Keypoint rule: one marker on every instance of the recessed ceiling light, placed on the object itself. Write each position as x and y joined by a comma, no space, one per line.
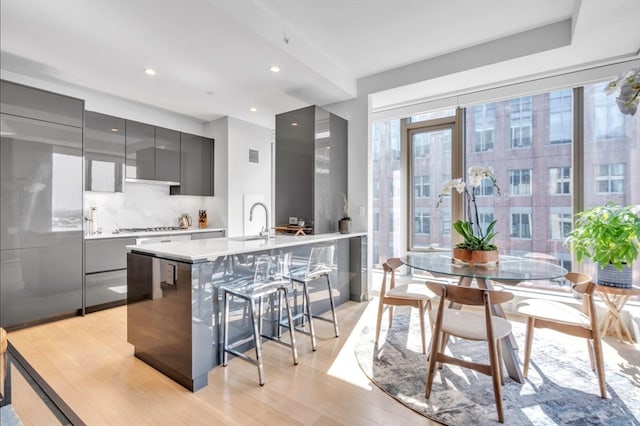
294,124
275,68
253,109
150,71
114,130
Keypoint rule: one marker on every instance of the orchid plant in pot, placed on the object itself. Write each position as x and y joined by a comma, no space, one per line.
477,243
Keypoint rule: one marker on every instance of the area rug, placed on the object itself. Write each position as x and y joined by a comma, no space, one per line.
561,388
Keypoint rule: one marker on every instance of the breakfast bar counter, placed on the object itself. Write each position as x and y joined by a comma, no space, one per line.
174,305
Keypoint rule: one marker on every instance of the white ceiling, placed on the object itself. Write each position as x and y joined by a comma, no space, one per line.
212,57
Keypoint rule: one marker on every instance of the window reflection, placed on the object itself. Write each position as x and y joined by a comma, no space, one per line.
66,192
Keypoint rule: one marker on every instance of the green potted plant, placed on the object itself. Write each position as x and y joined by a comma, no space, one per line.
344,224
609,235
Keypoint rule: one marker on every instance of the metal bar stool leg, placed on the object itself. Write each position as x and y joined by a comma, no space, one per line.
225,329
333,307
294,350
255,322
306,306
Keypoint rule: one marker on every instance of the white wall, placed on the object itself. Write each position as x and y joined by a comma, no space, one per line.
239,183
219,130
248,182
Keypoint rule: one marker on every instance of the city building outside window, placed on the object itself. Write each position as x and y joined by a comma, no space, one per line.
386,169
560,116
485,216
485,189
422,221
610,178
422,187
520,223
607,119
560,180
560,222
446,221
520,182
521,122
484,127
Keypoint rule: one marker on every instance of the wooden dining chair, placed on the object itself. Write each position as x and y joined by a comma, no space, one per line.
568,320
470,326
412,294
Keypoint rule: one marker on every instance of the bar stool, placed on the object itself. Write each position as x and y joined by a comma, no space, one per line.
319,265
268,281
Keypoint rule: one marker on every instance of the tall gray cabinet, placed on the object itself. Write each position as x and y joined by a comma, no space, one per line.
41,216
311,167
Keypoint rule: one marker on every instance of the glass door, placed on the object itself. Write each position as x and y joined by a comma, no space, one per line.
429,169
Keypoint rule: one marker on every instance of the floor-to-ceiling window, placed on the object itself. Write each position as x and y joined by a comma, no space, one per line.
529,141
386,185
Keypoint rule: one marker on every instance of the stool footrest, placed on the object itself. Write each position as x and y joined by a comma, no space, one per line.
241,355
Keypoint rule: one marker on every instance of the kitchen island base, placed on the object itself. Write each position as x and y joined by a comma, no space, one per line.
175,306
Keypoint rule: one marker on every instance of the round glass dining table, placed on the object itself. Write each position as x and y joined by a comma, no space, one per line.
508,270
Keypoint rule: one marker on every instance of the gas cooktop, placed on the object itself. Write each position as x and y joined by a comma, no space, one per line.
154,229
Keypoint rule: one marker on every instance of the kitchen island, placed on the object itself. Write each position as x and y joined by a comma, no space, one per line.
174,306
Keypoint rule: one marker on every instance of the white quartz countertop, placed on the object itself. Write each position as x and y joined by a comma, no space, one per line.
208,249
152,233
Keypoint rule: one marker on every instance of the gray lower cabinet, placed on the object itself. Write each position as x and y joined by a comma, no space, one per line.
41,224
106,271
196,166
104,152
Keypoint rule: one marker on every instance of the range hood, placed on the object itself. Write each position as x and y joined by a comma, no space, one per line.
152,182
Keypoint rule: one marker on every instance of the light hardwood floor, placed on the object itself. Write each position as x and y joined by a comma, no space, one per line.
89,363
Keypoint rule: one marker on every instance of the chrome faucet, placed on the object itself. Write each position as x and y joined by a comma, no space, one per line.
265,232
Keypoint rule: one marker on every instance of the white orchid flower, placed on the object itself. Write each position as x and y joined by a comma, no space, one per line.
454,183
627,85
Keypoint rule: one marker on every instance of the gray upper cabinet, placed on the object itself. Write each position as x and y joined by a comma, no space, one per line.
196,169
153,153
140,148
104,150
25,101
311,167
167,163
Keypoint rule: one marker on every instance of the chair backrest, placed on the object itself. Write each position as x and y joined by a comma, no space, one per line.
320,260
270,268
389,268
581,282
469,295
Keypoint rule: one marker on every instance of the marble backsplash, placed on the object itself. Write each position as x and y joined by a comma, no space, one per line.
145,205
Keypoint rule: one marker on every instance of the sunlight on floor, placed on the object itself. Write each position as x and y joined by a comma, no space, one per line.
345,367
